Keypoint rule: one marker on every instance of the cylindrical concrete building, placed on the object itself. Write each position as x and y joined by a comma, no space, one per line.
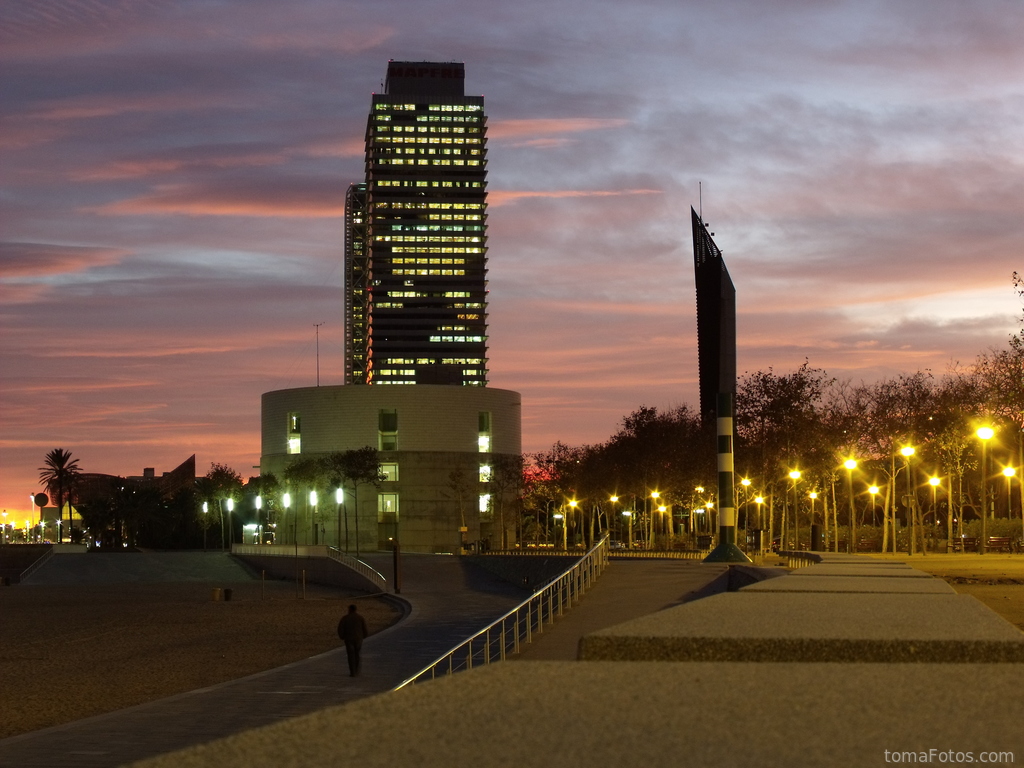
450,454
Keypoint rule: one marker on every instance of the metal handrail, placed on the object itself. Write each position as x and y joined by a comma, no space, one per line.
36,565
363,569
496,641
660,554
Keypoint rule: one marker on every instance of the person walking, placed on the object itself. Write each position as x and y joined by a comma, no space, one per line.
352,629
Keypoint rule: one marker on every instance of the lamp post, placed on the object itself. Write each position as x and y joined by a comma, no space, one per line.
572,505
813,495
613,499
934,483
850,464
795,477
629,519
313,504
873,491
339,499
259,519
699,489
907,452
231,532
565,542
745,482
1008,473
206,522
759,500
984,434
651,506
287,502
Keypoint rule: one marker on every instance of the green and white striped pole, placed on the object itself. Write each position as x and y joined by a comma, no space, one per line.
726,551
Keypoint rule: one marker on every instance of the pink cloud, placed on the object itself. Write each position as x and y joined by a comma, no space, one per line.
498,197
42,259
130,169
304,202
536,128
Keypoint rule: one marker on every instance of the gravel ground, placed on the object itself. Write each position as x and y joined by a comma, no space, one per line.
68,652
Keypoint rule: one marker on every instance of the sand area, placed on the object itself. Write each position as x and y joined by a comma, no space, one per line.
68,652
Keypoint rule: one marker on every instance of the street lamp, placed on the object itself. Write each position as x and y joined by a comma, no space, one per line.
873,491
316,530
813,495
759,545
850,464
907,452
565,541
572,505
934,483
614,500
629,518
745,482
794,475
339,499
650,519
231,532
206,523
695,527
1009,473
259,518
984,434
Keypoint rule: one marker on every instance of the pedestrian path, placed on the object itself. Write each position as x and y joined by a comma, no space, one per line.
628,589
449,599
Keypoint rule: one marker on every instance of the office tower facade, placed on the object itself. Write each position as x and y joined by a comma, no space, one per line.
416,235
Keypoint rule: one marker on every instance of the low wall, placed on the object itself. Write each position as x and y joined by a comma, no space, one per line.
319,570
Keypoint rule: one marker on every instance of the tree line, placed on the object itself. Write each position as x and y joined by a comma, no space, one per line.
807,422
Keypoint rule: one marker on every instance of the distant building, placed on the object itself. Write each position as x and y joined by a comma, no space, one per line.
415,305
98,488
416,234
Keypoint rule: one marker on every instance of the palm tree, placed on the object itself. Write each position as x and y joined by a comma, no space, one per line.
58,476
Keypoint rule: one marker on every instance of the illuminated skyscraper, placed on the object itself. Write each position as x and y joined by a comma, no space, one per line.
416,235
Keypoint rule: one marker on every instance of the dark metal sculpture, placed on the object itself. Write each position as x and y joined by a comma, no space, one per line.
716,359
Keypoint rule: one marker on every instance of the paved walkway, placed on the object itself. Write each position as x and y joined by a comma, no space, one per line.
450,600
628,589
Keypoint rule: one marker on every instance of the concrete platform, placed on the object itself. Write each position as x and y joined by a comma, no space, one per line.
894,571
814,627
581,715
813,582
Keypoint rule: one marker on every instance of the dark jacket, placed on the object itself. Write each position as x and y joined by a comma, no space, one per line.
352,629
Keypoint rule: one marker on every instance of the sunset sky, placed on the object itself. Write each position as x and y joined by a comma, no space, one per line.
173,178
